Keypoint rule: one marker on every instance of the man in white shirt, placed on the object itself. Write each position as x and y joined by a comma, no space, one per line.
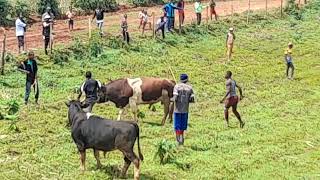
20,32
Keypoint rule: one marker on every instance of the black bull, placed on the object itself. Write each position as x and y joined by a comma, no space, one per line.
104,135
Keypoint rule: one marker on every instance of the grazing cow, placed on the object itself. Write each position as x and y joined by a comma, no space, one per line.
132,92
103,135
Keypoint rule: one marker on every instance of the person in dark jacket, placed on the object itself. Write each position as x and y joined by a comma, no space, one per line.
90,88
99,15
30,67
46,32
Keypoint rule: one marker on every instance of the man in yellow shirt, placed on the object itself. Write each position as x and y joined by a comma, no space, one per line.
289,60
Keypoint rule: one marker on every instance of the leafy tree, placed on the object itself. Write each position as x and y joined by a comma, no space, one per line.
53,4
90,5
5,13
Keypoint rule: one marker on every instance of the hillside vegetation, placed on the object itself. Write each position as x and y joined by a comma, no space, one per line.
281,139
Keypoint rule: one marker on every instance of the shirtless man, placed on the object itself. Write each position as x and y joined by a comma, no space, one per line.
229,43
231,99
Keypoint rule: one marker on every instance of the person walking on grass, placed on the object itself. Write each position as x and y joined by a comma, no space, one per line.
90,88
124,27
161,26
20,32
46,33
141,14
70,14
145,21
99,15
289,60
30,68
231,99
229,43
181,5
212,5
198,9
182,95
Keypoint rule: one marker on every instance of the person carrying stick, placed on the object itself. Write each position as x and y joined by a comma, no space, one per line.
30,68
46,32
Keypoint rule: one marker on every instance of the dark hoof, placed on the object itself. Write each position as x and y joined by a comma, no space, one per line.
242,125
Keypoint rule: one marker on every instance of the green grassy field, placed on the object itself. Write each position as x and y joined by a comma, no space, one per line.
281,139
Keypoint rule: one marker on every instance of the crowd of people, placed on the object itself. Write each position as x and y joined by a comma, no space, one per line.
183,92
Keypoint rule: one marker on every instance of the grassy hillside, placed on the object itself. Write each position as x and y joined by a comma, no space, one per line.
281,138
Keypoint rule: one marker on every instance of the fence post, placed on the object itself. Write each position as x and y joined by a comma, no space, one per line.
248,11
207,15
51,38
232,14
281,8
3,50
89,27
266,7
180,24
153,32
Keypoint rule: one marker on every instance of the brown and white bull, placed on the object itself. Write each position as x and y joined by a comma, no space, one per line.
128,92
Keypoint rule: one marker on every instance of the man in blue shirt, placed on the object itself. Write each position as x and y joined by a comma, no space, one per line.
30,68
169,9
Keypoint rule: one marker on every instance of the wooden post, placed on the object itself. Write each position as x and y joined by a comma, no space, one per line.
232,14
248,12
89,26
3,51
51,38
207,14
281,8
180,24
153,24
266,7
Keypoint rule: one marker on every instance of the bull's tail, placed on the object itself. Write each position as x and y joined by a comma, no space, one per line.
138,139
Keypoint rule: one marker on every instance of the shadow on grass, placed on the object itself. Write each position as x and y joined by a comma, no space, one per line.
152,123
115,172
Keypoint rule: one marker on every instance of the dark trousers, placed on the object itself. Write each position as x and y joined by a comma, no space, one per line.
290,66
198,18
46,43
125,35
28,90
161,27
20,41
70,22
170,23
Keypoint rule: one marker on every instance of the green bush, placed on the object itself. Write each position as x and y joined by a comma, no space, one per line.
146,2
166,151
53,4
22,7
5,13
90,5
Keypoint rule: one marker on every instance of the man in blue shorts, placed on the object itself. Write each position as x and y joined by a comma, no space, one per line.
182,96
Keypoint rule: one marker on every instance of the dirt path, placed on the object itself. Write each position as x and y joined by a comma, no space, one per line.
112,22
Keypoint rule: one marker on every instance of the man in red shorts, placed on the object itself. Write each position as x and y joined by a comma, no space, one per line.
231,99
180,5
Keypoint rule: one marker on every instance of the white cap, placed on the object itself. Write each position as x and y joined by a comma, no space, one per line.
231,29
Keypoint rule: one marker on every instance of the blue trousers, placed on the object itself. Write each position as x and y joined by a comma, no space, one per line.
180,121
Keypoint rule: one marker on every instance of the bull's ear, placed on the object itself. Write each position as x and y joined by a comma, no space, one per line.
67,104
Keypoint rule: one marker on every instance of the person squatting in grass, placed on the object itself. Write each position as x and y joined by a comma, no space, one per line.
70,14
229,43
198,9
289,60
145,21
99,15
124,26
161,26
30,68
182,95
90,88
169,9
213,11
46,32
20,32
181,5
231,99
